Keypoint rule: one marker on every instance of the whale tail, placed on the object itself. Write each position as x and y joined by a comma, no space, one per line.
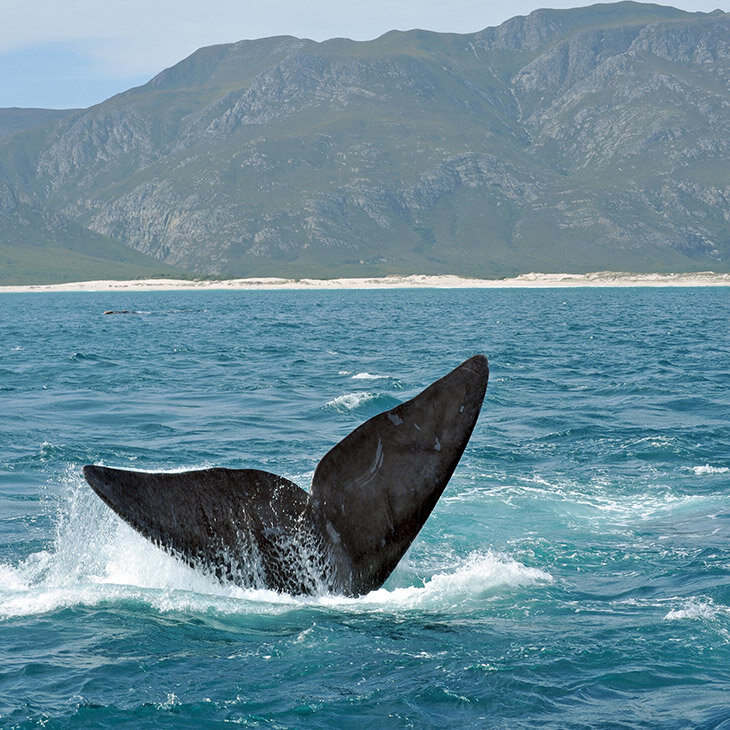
370,496
379,484
243,525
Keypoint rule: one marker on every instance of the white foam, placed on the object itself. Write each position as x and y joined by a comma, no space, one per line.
96,558
11,579
655,442
479,575
473,579
350,401
594,500
695,608
707,469
170,703
368,376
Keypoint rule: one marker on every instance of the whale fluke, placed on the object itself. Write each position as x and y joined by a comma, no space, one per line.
370,496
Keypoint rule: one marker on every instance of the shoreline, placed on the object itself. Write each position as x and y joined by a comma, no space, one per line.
413,281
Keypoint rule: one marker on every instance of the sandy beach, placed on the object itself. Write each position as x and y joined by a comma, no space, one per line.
603,278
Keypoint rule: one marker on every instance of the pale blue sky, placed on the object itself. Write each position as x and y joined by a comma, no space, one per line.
74,53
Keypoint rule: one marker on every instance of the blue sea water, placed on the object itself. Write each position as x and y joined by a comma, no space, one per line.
575,573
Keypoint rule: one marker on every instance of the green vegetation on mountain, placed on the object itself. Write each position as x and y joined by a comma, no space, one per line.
15,119
568,140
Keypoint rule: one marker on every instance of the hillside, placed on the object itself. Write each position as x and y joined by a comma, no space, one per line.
568,140
16,119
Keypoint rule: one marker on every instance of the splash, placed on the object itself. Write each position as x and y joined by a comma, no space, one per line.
97,559
351,401
94,557
478,576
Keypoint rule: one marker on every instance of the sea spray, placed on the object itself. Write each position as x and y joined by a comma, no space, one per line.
96,557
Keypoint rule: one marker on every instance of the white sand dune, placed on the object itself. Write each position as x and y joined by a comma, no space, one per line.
601,278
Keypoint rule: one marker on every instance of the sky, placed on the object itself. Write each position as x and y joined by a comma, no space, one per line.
75,53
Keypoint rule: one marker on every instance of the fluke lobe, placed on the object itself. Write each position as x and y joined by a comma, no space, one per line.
370,496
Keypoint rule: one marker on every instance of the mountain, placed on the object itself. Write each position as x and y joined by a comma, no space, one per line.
568,140
16,119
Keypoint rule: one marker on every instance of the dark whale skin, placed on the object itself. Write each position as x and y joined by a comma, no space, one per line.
370,496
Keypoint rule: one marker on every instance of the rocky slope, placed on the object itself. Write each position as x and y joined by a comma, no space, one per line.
574,140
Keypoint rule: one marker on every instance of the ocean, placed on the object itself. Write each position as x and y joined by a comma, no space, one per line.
574,574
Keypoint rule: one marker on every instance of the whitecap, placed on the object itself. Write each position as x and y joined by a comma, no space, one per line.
368,376
170,702
707,469
351,401
696,608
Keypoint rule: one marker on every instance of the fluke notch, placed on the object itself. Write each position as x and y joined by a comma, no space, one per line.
370,496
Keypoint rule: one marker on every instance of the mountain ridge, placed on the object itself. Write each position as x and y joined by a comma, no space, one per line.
585,139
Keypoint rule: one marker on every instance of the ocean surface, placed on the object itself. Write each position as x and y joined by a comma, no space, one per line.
575,573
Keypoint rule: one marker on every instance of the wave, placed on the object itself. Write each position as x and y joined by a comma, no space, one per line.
97,559
368,376
595,500
707,469
478,575
698,608
366,402
351,401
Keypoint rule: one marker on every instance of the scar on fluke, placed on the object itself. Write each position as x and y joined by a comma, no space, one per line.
369,498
